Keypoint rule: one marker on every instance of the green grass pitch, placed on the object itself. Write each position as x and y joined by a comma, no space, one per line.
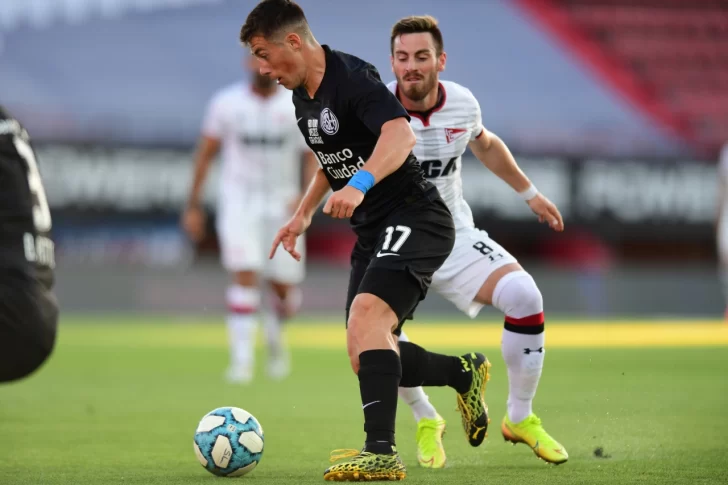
118,403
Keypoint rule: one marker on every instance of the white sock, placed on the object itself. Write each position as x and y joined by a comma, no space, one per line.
275,312
517,295
416,398
274,337
243,303
418,402
524,371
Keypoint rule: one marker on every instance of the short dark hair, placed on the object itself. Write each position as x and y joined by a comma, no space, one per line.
417,24
271,16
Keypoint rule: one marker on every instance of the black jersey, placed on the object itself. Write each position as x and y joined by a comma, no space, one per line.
342,123
25,220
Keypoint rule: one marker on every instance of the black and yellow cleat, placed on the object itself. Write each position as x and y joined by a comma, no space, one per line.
471,404
363,466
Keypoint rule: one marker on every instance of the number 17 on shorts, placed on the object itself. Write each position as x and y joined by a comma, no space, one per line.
389,249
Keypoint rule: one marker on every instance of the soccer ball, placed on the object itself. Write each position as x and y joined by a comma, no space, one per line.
229,442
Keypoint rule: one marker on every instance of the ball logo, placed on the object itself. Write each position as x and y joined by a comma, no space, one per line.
328,122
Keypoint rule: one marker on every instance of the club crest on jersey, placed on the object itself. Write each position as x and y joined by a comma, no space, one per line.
328,122
452,134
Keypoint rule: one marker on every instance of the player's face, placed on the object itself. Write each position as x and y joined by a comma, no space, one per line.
416,65
280,61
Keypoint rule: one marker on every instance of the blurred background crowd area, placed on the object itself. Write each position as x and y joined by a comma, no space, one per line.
616,109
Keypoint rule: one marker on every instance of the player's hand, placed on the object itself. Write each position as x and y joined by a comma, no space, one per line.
342,203
288,235
194,222
546,212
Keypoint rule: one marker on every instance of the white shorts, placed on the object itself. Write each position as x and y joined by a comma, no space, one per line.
245,242
473,259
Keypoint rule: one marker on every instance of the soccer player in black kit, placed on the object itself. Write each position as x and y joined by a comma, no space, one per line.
361,136
28,308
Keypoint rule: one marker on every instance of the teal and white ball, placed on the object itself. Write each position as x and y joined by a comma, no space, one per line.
229,442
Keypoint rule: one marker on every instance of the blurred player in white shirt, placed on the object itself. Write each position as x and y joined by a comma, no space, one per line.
253,125
446,119
722,221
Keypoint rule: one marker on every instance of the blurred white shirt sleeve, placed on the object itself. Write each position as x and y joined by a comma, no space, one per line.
213,124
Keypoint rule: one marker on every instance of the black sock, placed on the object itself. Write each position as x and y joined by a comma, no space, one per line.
379,374
423,368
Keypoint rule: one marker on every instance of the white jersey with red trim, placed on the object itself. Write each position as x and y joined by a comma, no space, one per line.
443,135
261,147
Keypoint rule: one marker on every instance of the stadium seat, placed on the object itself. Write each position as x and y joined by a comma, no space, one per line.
677,52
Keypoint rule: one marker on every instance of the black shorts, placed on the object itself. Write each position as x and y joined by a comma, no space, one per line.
28,323
397,262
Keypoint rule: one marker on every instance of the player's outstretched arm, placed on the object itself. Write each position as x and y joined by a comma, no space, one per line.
310,167
310,170
317,190
193,218
288,234
495,155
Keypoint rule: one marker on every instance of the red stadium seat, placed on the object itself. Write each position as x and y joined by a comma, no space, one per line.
676,49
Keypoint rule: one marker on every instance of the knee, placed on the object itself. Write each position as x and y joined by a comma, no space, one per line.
352,348
357,324
517,293
370,322
243,299
370,313
286,300
529,295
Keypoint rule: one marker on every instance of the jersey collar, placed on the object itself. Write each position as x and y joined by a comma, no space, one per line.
424,116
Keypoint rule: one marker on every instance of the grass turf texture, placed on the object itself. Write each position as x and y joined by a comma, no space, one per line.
119,403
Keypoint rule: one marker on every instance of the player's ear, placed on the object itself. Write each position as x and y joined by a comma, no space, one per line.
441,61
294,41
391,62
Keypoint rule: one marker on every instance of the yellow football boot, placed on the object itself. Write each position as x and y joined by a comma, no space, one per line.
363,466
471,404
530,432
430,452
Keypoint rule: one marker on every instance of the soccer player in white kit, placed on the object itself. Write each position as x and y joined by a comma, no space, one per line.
446,119
722,221
254,125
